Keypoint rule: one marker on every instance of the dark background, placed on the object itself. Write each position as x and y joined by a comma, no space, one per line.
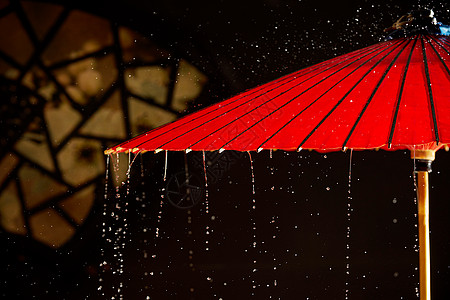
301,224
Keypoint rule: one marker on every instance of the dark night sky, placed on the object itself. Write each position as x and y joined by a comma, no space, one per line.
301,212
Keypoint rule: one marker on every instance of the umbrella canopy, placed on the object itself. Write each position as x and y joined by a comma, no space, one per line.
391,95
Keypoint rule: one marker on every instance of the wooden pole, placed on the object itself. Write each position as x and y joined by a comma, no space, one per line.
423,167
424,238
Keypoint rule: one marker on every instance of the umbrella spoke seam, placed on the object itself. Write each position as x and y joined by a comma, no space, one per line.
373,94
400,94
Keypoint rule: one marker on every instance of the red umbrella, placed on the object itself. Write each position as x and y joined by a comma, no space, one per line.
392,95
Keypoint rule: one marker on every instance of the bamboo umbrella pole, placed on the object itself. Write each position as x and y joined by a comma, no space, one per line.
423,167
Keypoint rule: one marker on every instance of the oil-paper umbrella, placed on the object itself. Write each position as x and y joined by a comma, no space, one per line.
392,95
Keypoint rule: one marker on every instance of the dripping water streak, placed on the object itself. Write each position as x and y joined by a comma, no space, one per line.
207,229
125,214
122,230
116,213
163,191
349,213
105,197
190,243
186,174
142,203
116,171
270,153
206,177
206,200
165,167
254,243
161,202
128,172
253,176
106,178
142,178
130,164
414,173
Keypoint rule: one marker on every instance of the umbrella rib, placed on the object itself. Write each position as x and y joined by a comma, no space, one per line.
400,93
373,95
274,111
343,98
290,101
430,92
255,107
288,79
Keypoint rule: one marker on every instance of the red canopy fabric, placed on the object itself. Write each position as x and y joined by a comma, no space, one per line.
391,95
